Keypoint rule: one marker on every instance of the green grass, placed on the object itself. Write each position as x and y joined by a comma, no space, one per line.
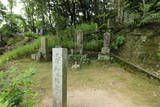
25,50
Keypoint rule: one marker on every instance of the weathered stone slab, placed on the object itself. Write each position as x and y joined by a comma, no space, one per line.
59,58
106,43
44,48
79,41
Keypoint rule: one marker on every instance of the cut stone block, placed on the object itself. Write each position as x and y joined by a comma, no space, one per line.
59,71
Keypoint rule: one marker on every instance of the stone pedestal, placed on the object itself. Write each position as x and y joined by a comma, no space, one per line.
105,50
59,71
104,57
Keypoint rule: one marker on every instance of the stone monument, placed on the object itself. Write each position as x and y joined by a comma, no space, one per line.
44,48
105,52
43,51
79,42
59,74
106,43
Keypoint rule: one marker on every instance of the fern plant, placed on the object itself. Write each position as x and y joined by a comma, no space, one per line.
151,17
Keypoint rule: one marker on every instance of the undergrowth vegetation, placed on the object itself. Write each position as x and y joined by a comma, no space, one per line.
94,45
25,50
15,87
66,40
118,41
31,34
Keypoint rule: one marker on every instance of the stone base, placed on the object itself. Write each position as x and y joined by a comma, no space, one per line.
104,57
36,57
105,50
81,59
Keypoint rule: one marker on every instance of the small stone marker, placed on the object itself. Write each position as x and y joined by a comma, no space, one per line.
59,59
72,51
79,41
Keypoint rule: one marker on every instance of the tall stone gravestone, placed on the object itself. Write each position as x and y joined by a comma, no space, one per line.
44,48
79,41
106,43
105,52
43,51
59,59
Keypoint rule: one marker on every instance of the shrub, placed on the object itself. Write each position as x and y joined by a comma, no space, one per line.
119,41
15,86
69,32
151,17
68,44
31,34
8,30
94,45
92,27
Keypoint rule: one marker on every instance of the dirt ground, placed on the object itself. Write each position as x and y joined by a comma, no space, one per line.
93,98
95,85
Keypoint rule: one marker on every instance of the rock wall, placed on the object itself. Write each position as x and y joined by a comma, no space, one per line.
142,47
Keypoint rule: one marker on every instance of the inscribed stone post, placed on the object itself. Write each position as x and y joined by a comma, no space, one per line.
44,48
59,59
79,41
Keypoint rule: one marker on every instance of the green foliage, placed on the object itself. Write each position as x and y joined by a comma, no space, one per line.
148,14
68,44
69,32
3,104
6,29
94,45
79,58
151,17
20,51
14,24
31,34
66,37
15,86
92,27
25,50
2,12
119,41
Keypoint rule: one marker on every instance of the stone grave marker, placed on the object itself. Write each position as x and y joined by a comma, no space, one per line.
79,41
59,74
106,43
105,52
44,48
43,51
